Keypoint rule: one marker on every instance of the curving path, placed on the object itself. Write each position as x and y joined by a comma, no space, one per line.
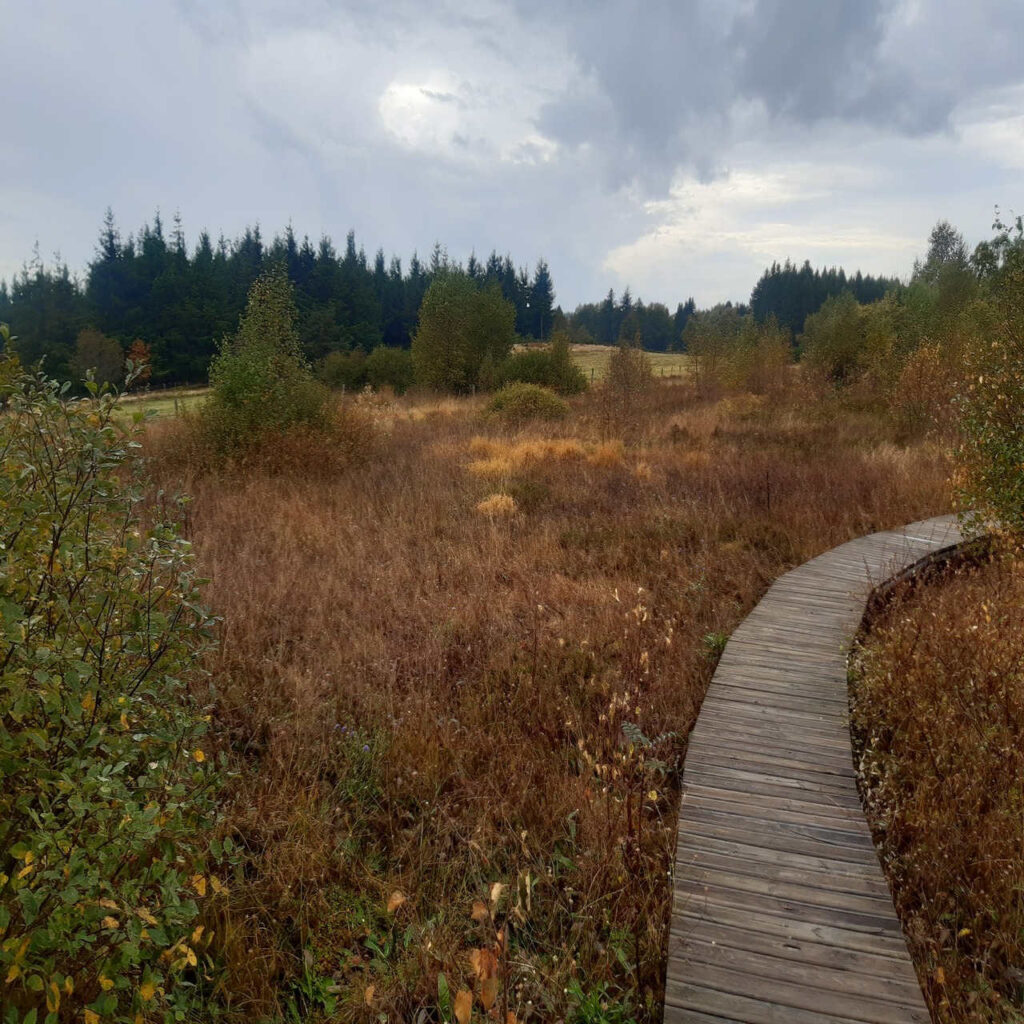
781,912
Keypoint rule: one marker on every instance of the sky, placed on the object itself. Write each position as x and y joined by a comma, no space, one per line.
677,147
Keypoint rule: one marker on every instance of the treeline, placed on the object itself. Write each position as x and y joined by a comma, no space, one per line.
180,303
151,296
790,294
611,321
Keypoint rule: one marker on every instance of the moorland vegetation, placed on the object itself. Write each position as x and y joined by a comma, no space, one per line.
429,769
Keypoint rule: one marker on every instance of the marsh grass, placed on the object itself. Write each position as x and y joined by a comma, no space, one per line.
939,718
423,700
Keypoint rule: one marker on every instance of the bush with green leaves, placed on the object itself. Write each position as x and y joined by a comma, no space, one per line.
463,329
551,366
520,402
990,456
345,371
388,367
107,798
260,382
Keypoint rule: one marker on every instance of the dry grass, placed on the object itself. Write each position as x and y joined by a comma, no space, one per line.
939,710
423,700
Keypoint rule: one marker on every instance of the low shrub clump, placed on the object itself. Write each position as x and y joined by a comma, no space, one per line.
519,403
260,383
388,367
107,783
939,716
551,367
344,371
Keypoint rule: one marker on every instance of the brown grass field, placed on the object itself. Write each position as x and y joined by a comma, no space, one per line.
457,670
939,709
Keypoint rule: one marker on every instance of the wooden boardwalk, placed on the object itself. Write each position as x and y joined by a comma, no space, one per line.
781,912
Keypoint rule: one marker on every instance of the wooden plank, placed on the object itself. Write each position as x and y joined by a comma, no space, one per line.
790,929
815,972
780,911
870,965
792,995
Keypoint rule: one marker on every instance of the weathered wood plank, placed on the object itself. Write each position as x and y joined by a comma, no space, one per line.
781,912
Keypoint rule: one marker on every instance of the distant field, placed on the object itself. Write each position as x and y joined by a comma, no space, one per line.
593,360
167,402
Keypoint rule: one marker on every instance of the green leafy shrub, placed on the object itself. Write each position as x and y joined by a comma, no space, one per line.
834,338
343,370
520,402
106,794
462,327
260,382
388,367
551,367
990,456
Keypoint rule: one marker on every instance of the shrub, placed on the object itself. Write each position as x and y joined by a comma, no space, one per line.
990,478
344,370
104,356
519,402
629,371
551,367
261,383
106,795
628,379
390,368
461,327
834,338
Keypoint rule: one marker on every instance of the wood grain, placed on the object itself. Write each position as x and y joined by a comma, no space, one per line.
781,912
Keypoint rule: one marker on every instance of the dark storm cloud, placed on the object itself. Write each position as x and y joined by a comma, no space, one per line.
809,61
663,82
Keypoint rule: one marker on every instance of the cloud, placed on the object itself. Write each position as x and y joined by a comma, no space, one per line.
672,144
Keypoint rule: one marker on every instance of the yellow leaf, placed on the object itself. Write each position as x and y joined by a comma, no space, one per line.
147,990
368,994
69,985
91,1017
52,997
13,973
510,1018
26,870
199,884
199,755
496,890
940,976
218,887
197,934
106,984
124,721
190,956
489,991
963,933
480,911
463,1006
146,916
395,900
109,904
88,703
111,922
